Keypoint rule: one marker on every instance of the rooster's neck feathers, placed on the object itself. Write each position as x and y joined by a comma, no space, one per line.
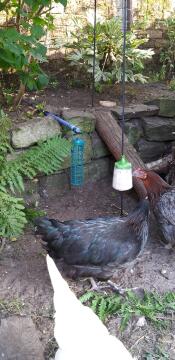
155,186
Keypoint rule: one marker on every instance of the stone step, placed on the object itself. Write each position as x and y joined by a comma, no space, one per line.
135,111
19,339
166,105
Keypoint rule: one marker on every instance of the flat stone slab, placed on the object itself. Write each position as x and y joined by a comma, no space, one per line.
136,111
158,128
19,339
83,119
33,131
167,108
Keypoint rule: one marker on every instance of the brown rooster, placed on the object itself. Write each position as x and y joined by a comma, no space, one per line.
162,199
96,247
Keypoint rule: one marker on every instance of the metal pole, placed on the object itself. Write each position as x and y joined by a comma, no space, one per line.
124,28
94,52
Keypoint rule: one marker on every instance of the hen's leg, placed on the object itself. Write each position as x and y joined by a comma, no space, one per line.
95,286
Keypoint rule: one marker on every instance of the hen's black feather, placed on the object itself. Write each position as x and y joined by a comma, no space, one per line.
97,244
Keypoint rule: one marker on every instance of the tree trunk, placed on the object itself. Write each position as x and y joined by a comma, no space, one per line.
19,95
111,133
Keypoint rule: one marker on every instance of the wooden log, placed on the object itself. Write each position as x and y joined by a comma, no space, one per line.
171,170
160,166
111,133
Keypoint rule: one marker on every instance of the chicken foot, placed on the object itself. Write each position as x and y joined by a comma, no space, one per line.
113,286
94,285
140,292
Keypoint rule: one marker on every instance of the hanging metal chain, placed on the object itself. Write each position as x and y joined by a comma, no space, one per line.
94,52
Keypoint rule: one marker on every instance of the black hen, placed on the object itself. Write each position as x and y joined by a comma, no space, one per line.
96,247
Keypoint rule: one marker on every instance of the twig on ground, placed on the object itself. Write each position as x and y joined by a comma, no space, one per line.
137,341
3,240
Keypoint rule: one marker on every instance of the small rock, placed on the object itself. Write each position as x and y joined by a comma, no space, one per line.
164,274
141,322
163,271
107,103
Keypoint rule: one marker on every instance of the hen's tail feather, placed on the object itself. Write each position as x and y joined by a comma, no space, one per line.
140,213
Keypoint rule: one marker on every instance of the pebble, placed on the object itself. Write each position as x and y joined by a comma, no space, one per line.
141,322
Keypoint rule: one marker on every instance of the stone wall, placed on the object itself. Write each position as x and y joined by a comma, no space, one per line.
150,128
82,10
76,11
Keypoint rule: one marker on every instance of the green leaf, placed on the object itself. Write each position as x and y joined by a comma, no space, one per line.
37,31
62,2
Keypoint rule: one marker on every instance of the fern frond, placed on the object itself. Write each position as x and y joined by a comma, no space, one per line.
86,297
45,158
4,135
12,216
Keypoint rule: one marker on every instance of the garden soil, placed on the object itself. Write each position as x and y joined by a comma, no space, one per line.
25,289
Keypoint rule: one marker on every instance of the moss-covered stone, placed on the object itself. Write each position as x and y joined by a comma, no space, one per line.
97,169
88,154
34,131
167,108
99,147
50,186
133,131
83,119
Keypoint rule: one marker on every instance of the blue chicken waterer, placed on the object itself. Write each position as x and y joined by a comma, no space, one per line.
77,162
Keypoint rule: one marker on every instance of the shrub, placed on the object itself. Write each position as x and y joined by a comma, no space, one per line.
21,41
167,55
109,48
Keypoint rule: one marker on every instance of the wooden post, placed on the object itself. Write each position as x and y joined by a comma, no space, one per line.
109,130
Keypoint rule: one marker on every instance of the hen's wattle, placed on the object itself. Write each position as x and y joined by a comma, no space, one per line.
162,199
96,247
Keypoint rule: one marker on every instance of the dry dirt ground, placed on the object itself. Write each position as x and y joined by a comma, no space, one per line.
70,97
25,286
